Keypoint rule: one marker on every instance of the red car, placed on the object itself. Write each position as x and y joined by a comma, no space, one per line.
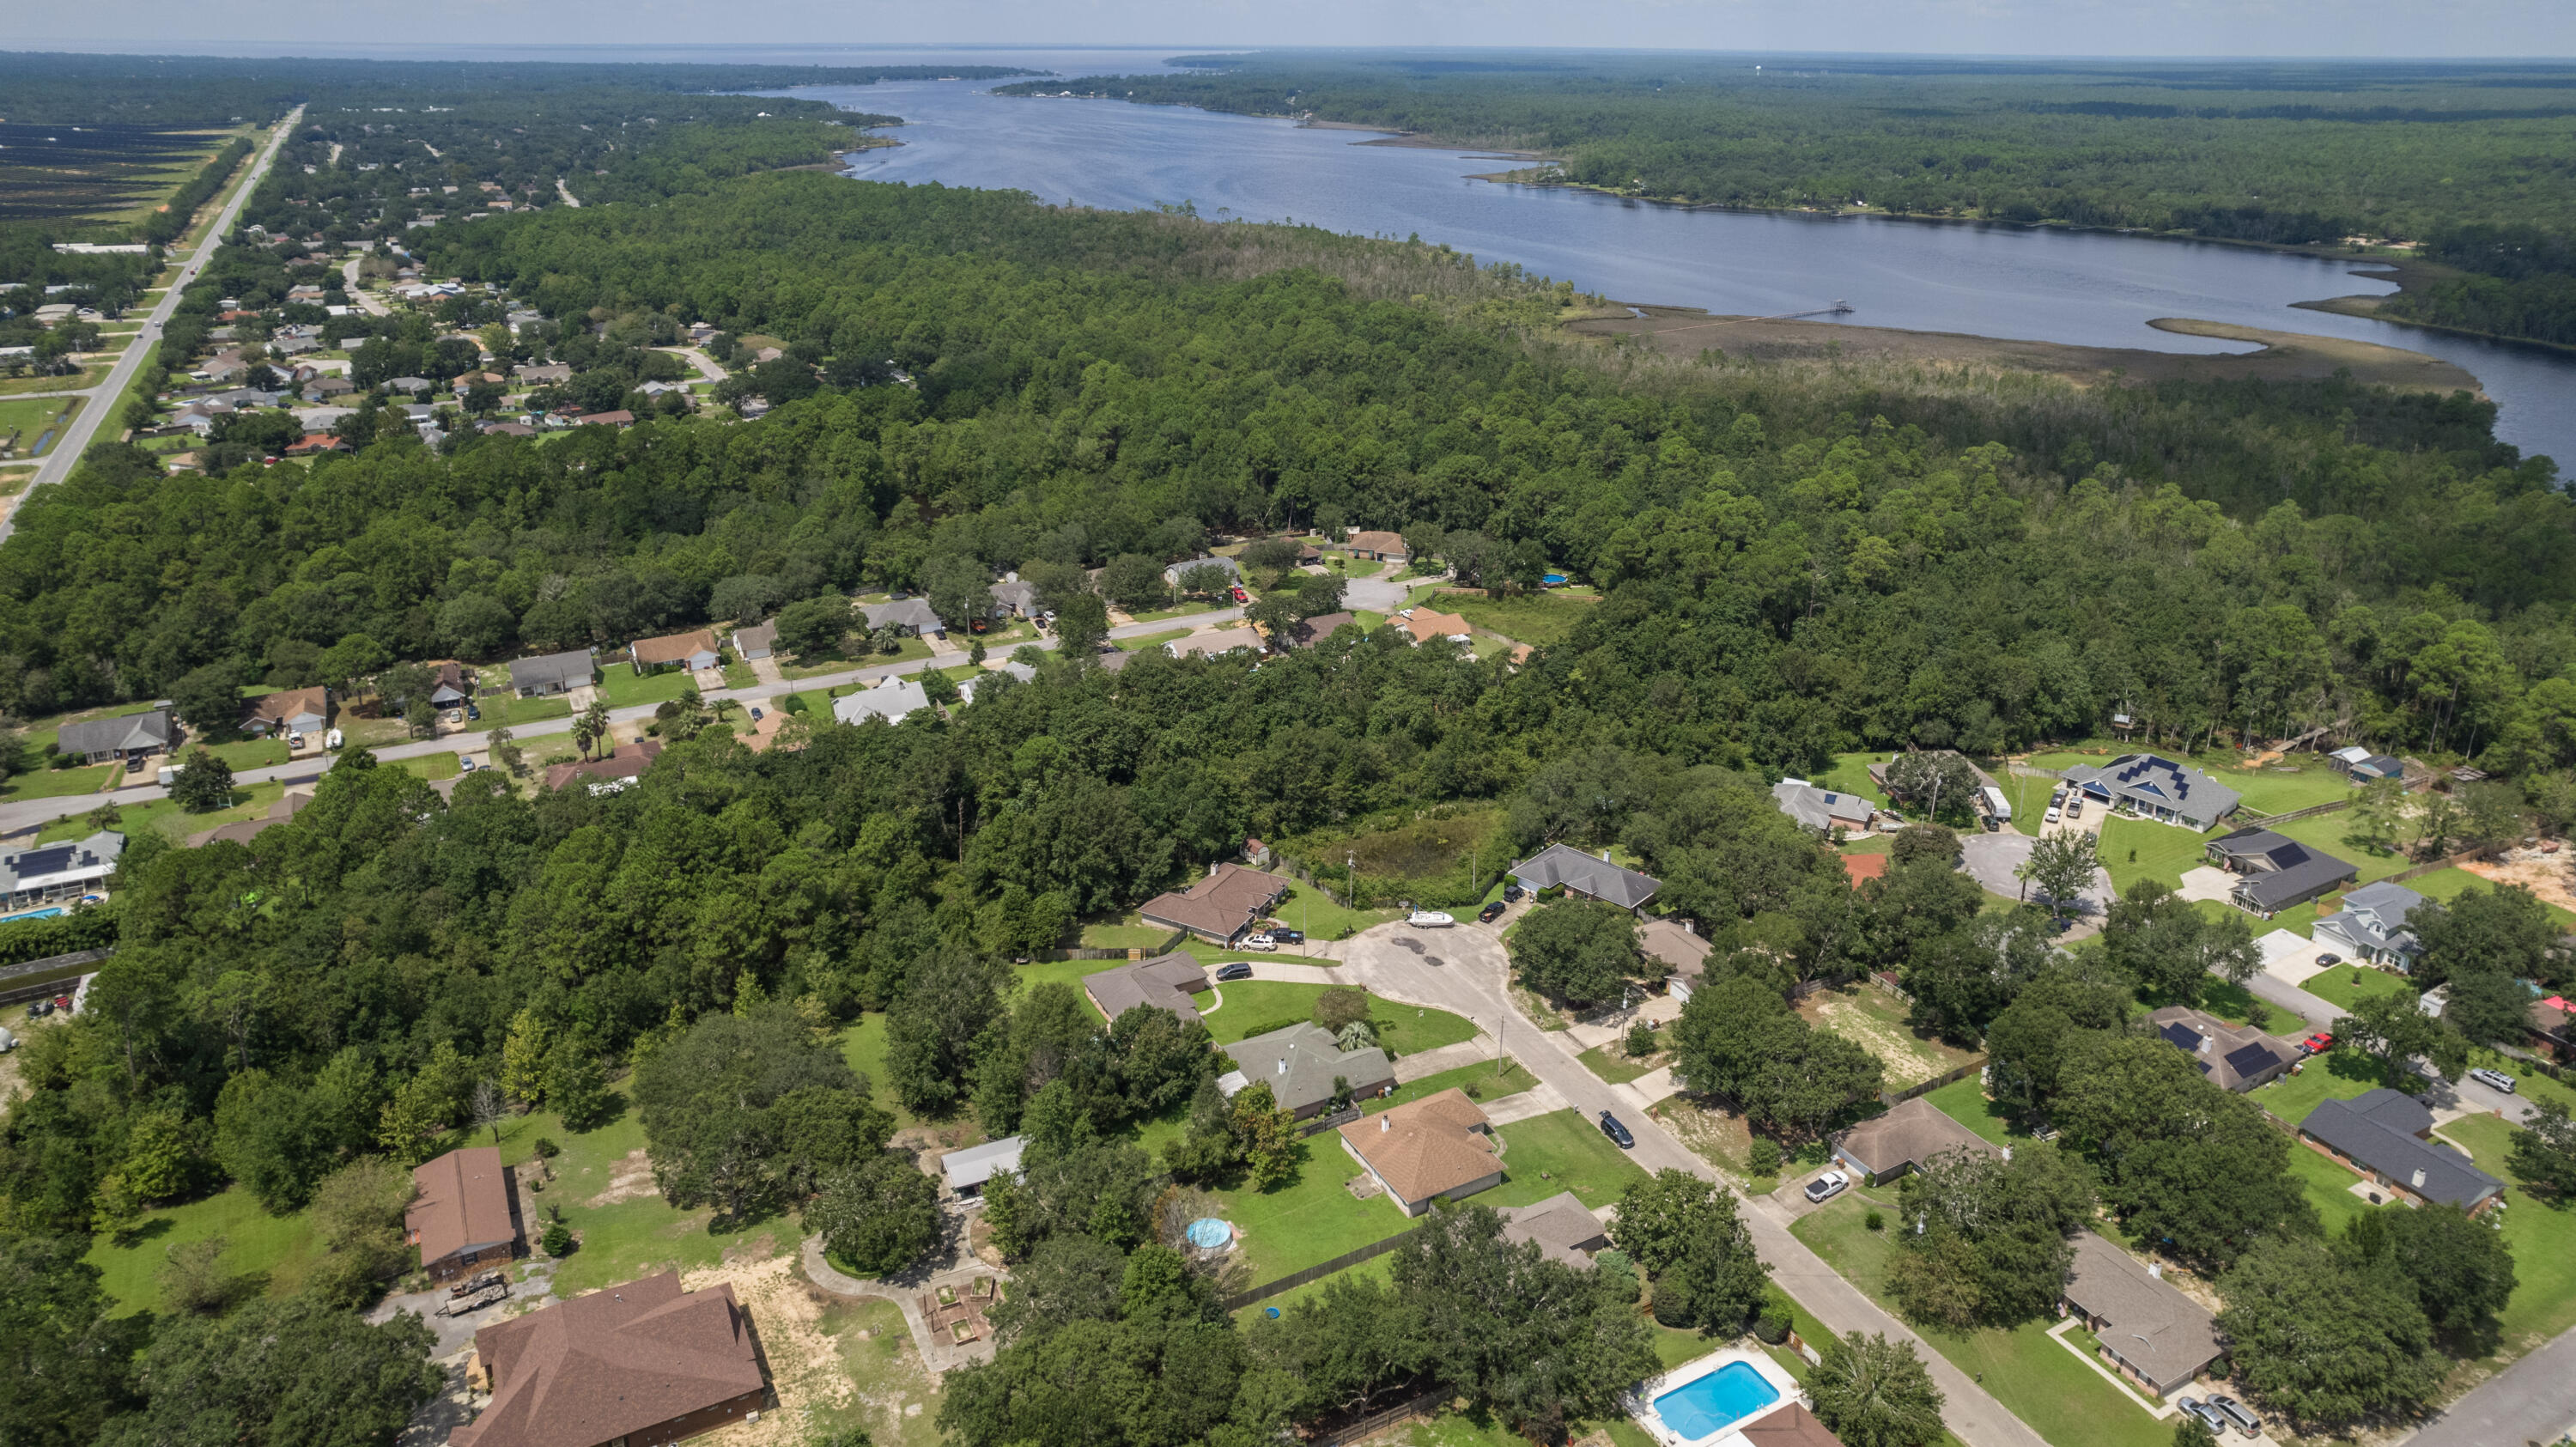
2317,1044
1241,596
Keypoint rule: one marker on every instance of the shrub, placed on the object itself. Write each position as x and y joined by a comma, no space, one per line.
1764,1158
548,1149
557,1239
1874,1220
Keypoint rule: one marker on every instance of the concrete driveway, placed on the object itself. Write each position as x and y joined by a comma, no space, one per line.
1992,858
2209,882
2291,958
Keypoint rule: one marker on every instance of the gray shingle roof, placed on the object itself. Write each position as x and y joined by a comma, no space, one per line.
2378,1129
975,1165
1311,1059
2374,916
150,729
559,670
2312,874
1563,864
2156,1329
1165,981
2154,782
893,701
915,613
1821,809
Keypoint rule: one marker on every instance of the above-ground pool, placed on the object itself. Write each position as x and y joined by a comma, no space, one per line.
47,913
1707,1405
1208,1233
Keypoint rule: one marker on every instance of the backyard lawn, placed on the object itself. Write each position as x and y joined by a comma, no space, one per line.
2541,1237
2043,1383
2328,1188
622,687
129,1262
1850,775
1534,618
2327,831
2448,884
1312,1218
1321,917
1965,1102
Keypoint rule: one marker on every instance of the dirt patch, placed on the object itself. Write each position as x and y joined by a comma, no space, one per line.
2547,876
2275,356
630,1179
804,1360
1895,1047
1718,1137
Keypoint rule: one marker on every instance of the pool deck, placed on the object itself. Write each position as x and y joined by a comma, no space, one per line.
1640,1400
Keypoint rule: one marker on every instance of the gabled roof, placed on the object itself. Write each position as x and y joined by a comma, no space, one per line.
463,1205
2280,851
975,1165
2374,916
1215,642
1913,1132
1211,560
1426,1147
757,641
1017,593
2380,1129
599,1367
287,706
1299,1063
1376,541
1788,1425
914,613
2233,1057
563,670
150,729
626,761
1821,809
2312,874
1563,864
1165,981
1426,624
1562,1225
1220,904
2156,1329
2161,783
1311,631
676,647
1676,948
893,700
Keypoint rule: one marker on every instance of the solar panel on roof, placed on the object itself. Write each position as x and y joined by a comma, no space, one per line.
2182,1037
2250,1059
46,861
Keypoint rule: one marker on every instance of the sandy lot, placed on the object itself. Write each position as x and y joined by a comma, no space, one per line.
2550,876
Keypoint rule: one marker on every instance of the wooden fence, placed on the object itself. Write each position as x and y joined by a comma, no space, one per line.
2266,821
1318,1271
2435,867
1926,1087
1170,943
1322,1123
1421,1408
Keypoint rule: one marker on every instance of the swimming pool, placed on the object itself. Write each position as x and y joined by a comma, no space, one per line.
47,913
1707,1405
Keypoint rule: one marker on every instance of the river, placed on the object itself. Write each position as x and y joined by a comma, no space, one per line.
2086,288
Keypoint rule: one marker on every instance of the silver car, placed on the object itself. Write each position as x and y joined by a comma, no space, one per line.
2208,1415
2493,1079
2238,1413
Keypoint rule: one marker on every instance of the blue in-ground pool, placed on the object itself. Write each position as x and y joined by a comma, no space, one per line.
47,913
1706,1406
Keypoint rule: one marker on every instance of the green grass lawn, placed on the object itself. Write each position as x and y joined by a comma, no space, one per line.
516,712
2328,1187
1151,640
2327,831
2529,1083
1612,1064
2044,1384
2348,985
863,1044
738,674
2542,1239
2238,1005
2448,884
1321,917
1312,1218
623,689
1874,844
1850,775
44,783
1965,1102
1560,1151
1874,1019
164,816
2140,849
280,1247
1257,1007
912,648
252,754
1534,618
1480,1080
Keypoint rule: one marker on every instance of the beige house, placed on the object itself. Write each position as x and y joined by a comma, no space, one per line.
1440,1147
1885,1147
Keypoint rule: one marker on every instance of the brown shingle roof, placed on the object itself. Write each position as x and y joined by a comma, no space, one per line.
464,1203
1676,948
1167,981
1426,624
1434,1144
675,648
274,709
1376,542
1219,905
1909,1135
1316,629
2162,1333
629,761
1790,1426
598,1367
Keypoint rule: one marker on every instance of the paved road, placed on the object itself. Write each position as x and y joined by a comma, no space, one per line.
1990,859
22,813
85,424
1463,970
2534,1400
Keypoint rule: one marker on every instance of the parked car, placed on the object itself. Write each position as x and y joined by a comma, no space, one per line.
1512,893
1429,919
1263,943
2050,817
2493,1079
1286,936
474,711
1611,1127
1240,596
2328,959
332,740
1234,970
2075,808
1490,912
755,715
294,739
464,764
2317,1044
2057,796
134,763
2208,1415
456,715
2238,1413
1827,1186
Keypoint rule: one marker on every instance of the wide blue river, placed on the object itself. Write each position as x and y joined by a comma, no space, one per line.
2093,289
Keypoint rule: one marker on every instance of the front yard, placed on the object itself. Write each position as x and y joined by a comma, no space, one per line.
2349,985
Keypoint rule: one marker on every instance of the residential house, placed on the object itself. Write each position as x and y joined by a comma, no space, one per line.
2148,1331
243,831
448,684
1301,1064
2158,788
760,640
1115,660
1177,571
611,773
619,418
313,444
125,736
968,690
321,387
553,673
464,1213
289,710
1679,949
2342,760
1788,1425
1311,631
1878,776
543,376
1885,1147
967,1171
1220,907
1165,982
1426,624
2276,872
1438,1148
1564,1229
2551,1024
509,429
2370,925
894,700
1823,810
415,386
43,874
911,616
2378,766
1015,597
1562,866
2233,1057
1377,546
641,1364
1216,643
2387,1136
693,650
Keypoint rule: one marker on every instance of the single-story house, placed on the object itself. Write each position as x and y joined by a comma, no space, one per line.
912,616
321,387
894,700
610,774
1311,631
314,443
1174,573
102,740
545,375
553,673
693,650
2371,925
1822,809
1788,1425
639,1363
1679,949
1300,1063
1426,624
1583,877
1563,1227
618,418
243,831
2551,1024
967,1170
289,710
2233,1057
1380,546
1216,643
464,1214
2157,788
760,640
2387,1136
1165,982
42,874
450,685
1884,1147
1438,1148
2342,760
2275,871
415,386
1114,660
1017,672
509,429
2152,1333
1220,907
1015,597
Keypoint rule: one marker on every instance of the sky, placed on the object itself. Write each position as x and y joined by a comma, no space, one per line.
2409,29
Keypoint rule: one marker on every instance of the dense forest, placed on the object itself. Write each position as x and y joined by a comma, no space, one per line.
2295,153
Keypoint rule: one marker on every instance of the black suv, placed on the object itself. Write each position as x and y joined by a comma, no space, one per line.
1235,970
1491,912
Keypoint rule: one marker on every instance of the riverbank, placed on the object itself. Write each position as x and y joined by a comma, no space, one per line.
1689,332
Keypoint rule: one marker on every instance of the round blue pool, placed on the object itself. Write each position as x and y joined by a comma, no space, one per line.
1708,1405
